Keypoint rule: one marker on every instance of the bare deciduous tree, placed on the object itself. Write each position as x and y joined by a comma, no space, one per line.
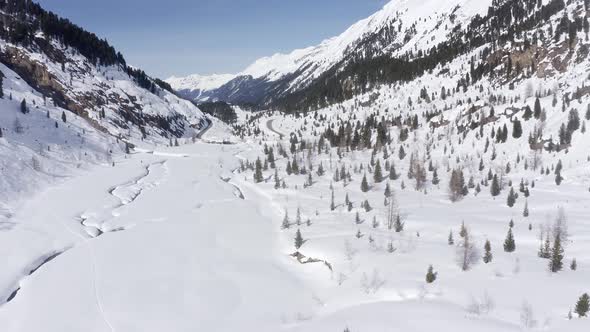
467,253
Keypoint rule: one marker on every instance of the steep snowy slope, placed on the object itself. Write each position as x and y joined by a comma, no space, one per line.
39,147
70,101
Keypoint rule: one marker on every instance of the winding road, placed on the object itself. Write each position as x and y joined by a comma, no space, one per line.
269,125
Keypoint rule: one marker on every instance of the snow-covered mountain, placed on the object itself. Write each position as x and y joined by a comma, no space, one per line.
199,87
437,169
401,26
70,99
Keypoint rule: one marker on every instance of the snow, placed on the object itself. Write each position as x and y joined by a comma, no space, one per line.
200,82
126,279
317,59
180,239
209,260
48,150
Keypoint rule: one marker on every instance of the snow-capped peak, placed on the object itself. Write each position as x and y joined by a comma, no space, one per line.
309,63
201,82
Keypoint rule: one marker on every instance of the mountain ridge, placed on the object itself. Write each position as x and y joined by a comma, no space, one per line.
308,64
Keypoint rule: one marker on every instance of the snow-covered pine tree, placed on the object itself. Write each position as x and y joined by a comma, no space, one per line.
487,257
556,260
258,171
378,174
511,200
23,107
277,179
286,222
574,265
392,172
583,305
364,184
509,243
495,188
299,241
431,275
332,203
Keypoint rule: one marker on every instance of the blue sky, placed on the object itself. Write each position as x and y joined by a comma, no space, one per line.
180,37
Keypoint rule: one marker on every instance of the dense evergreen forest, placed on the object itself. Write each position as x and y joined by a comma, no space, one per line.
220,110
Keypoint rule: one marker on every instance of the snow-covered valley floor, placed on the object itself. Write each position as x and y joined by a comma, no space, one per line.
160,242
173,240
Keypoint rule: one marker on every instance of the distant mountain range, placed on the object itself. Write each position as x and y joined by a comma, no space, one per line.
398,30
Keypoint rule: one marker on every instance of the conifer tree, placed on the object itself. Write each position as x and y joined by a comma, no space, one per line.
528,113
392,173
574,265
487,257
537,112
556,260
364,184
402,153
286,223
509,243
277,180
398,226
495,187
1,85
545,249
516,129
271,158
451,241
295,166
583,305
558,178
258,172
378,174
321,170
63,116
332,203
431,275
435,179
23,107
463,231
387,192
289,168
299,241
525,213
511,197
